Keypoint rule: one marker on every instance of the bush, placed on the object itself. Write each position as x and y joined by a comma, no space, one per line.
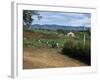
77,50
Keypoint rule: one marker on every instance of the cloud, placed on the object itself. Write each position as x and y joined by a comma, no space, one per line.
61,18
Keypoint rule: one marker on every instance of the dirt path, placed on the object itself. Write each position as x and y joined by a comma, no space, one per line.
47,58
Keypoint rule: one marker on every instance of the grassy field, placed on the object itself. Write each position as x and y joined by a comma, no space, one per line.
72,47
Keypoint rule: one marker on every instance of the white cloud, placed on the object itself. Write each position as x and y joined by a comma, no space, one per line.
74,19
81,22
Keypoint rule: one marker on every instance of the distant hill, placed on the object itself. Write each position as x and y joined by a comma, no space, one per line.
56,27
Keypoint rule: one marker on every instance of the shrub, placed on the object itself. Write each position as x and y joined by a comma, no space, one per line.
78,50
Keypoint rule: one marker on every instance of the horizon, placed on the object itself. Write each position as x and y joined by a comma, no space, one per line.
60,25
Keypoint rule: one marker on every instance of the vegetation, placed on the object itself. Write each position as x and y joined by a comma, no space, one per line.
51,43
28,17
42,38
71,46
78,50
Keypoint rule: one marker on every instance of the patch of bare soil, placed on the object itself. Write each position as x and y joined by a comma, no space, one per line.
47,58
32,35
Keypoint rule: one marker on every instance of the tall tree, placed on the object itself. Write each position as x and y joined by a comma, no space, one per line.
28,17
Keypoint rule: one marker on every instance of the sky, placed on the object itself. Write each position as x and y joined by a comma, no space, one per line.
61,18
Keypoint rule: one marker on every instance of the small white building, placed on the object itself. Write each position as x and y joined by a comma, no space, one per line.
70,34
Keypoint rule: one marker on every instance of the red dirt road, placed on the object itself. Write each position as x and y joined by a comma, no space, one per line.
47,58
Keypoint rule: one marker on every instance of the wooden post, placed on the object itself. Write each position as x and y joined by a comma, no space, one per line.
84,40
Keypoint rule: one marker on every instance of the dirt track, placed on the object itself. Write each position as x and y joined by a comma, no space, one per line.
47,58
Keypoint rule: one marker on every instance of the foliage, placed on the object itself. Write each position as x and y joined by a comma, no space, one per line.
62,31
28,17
78,50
